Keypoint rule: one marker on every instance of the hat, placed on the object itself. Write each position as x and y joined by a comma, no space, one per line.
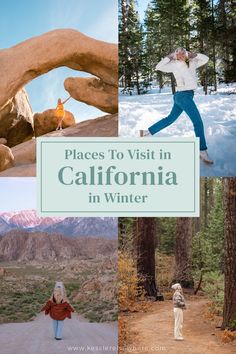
176,286
59,284
181,50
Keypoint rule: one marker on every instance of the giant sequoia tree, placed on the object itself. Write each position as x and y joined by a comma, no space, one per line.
229,314
183,247
146,231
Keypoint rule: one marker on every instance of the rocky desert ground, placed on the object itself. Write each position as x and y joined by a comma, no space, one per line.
90,283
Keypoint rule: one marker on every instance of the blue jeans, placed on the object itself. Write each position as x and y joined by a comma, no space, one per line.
57,326
183,101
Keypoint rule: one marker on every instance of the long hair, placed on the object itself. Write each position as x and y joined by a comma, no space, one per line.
183,50
59,293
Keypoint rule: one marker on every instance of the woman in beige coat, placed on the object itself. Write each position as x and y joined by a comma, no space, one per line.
179,306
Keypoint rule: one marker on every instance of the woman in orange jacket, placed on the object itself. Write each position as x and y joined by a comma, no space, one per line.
58,308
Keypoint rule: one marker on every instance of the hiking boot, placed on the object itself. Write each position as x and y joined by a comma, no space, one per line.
145,133
205,157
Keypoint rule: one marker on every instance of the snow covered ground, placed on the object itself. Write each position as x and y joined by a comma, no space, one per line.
218,111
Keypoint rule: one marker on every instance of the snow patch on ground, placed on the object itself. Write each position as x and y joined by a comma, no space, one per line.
218,111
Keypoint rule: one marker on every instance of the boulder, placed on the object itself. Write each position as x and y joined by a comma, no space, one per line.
28,170
6,157
93,91
105,126
47,121
25,153
16,120
62,47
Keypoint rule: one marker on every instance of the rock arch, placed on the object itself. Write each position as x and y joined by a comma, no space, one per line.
63,47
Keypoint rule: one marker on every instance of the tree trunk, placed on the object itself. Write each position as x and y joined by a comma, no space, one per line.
183,250
213,45
137,81
229,313
173,84
146,230
211,200
205,203
122,232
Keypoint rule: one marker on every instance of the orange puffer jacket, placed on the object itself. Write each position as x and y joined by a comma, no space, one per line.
58,311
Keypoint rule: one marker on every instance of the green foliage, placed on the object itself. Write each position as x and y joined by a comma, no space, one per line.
213,286
130,44
23,294
225,32
126,234
205,26
166,235
208,243
164,270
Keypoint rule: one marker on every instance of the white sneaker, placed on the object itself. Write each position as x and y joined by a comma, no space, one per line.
180,338
145,133
205,158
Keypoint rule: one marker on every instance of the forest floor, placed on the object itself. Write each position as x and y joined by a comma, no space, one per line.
152,331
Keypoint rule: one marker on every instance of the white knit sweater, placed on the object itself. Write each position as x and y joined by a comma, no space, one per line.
186,77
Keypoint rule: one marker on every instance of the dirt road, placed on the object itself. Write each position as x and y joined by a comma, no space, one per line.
152,332
37,337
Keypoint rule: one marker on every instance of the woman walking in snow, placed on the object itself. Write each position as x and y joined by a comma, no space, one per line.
179,306
183,65
58,308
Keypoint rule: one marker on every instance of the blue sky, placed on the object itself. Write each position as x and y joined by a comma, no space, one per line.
23,19
17,193
142,7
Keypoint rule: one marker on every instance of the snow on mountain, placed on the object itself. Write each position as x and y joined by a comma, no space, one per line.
70,226
27,219
86,227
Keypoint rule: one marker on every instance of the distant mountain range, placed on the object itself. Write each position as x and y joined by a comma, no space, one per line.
24,246
71,227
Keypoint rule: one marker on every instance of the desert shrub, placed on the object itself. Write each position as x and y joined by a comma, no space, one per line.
228,336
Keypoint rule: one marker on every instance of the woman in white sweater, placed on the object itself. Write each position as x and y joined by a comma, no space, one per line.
183,65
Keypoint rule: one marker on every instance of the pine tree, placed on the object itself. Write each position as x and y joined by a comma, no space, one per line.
229,313
130,45
226,34
202,27
167,27
208,240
